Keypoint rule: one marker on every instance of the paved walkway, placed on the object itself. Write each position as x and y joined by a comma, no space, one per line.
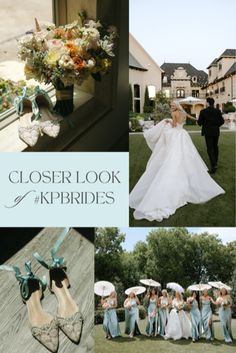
17,17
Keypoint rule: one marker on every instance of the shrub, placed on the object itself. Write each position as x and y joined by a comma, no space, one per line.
229,108
99,315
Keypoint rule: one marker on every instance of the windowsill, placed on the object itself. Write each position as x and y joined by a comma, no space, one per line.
10,141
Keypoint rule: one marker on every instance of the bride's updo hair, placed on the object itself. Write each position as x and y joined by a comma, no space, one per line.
180,108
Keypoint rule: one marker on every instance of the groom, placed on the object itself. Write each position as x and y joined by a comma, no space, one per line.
211,119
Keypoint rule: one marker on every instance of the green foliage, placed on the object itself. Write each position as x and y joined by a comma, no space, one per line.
161,107
167,255
148,103
99,315
229,108
130,98
9,90
233,292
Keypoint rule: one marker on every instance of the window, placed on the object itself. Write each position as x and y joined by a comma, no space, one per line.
164,79
152,91
194,78
136,91
137,98
195,93
220,66
180,93
167,93
137,106
209,73
11,68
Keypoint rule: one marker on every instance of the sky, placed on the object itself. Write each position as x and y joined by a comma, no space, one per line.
184,30
133,235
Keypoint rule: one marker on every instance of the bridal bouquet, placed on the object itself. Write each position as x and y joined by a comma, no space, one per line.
68,54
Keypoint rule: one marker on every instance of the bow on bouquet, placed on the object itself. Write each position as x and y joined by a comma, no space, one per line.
68,54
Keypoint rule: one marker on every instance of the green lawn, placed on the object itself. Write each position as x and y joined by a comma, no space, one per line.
219,211
143,344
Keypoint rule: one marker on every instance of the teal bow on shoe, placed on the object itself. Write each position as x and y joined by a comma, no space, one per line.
19,104
24,279
55,262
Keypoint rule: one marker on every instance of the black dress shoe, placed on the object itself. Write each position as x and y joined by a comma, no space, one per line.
213,171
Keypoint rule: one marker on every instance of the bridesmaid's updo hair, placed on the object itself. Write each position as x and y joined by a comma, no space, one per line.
226,292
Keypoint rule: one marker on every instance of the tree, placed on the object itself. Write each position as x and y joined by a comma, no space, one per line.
130,98
161,107
148,103
108,250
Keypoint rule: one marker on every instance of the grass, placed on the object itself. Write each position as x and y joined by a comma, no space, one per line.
217,212
143,344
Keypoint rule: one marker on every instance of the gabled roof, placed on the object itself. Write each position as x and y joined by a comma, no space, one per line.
169,69
232,70
134,64
214,63
228,53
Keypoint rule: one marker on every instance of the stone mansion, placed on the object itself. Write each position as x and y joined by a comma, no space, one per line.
180,80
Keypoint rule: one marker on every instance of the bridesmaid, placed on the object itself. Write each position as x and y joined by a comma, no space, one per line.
206,315
195,316
110,321
163,304
151,328
131,315
224,302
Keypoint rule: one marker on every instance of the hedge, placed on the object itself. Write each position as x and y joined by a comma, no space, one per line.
99,315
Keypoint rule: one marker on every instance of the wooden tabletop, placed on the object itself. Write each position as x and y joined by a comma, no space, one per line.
78,251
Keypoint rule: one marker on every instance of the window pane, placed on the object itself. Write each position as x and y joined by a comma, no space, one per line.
136,91
17,17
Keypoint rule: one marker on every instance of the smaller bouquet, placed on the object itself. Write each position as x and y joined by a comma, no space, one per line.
105,305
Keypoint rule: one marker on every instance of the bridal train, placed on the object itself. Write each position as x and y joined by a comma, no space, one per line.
175,175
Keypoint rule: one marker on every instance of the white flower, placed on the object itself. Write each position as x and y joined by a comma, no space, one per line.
26,39
66,62
90,63
72,25
107,47
93,24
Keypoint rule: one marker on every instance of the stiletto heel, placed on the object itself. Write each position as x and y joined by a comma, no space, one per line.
27,112
43,326
48,120
69,317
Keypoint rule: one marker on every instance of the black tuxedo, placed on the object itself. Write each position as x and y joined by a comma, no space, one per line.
210,119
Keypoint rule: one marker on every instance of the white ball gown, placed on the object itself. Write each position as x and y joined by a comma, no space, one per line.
179,325
175,175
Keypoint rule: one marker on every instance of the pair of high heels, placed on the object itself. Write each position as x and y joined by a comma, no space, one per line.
44,326
36,116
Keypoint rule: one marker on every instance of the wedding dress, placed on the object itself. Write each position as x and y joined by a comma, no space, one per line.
178,326
175,175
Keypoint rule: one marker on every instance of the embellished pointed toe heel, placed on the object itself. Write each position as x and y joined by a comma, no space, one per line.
44,327
27,112
69,317
49,122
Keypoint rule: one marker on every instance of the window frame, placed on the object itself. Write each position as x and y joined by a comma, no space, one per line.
89,113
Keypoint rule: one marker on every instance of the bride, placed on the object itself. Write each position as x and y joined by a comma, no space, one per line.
175,173
178,326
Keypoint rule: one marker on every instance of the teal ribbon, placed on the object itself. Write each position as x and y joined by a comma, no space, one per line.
24,279
55,262
40,91
19,102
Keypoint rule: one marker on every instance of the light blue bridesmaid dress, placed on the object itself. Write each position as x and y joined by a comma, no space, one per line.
152,317
225,315
110,321
131,319
163,317
195,319
206,316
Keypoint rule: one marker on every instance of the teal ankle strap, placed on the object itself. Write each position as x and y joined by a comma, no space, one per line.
24,279
40,91
55,262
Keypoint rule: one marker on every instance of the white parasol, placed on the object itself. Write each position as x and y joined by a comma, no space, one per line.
219,285
103,288
175,286
199,287
150,282
137,290
190,100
